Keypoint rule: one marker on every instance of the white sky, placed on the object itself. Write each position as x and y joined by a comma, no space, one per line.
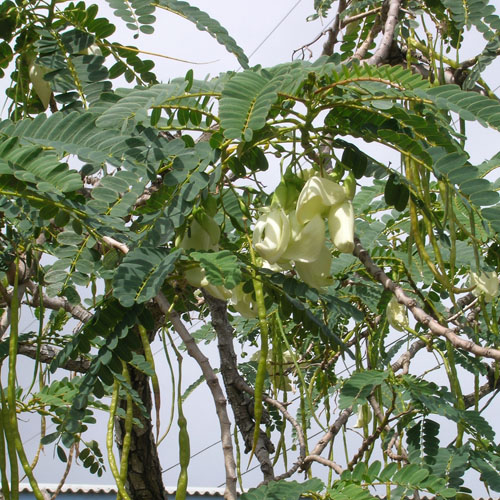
250,23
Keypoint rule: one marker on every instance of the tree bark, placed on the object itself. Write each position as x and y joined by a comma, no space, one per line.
144,477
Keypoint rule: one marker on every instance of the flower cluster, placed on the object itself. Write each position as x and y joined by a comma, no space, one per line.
292,230
204,234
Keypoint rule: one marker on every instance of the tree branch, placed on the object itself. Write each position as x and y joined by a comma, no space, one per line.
236,387
385,45
418,313
47,353
217,394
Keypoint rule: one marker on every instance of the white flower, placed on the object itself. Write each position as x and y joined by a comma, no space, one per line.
341,225
271,235
364,416
243,303
40,85
396,315
486,283
306,240
317,195
317,273
201,237
196,277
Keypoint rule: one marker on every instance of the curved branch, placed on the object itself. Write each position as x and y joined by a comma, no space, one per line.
385,45
324,461
418,313
217,394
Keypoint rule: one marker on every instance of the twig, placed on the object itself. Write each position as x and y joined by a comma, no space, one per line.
333,32
324,461
46,354
418,313
332,431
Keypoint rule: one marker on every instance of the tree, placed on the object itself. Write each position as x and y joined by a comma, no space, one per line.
349,258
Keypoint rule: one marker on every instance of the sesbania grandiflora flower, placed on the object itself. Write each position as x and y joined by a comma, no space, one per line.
341,225
272,234
316,197
396,315
305,240
486,283
243,303
196,276
201,236
41,86
317,273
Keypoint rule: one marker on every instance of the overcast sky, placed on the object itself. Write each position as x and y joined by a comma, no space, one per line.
251,24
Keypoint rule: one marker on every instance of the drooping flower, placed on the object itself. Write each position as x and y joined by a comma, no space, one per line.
486,283
272,234
243,303
316,197
364,416
203,236
40,85
196,276
396,315
306,240
341,225
317,273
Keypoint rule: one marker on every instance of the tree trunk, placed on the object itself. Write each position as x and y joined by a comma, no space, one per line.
144,477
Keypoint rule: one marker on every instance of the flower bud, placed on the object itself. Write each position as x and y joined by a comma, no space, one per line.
317,195
306,240
349,186
341,225
396,315
364,416
40,85
317,273
271,235
486,283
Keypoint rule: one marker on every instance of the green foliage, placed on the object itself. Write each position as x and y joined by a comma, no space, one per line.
99,239
282,490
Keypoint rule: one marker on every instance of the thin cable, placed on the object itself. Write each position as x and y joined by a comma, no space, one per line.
274,29
192,456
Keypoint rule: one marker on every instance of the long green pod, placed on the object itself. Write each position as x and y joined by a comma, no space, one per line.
11,392
154,379
184,447
109,443
264,348
129,420
172,378
4,426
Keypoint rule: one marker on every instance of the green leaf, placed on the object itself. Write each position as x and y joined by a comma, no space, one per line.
205,23
245,104
222,268
358,386
142,273
283,490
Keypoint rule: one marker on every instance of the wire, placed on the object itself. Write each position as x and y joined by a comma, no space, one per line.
266,38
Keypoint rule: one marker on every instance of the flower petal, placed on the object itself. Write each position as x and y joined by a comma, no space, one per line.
271,235
316,196
341,225
306,240
317,273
